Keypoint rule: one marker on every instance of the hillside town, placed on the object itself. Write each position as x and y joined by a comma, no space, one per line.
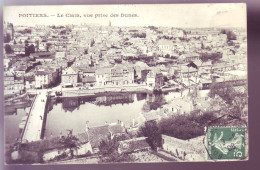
197,73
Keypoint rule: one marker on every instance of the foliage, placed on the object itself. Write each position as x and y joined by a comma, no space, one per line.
139,35
108,150
70,141
230,34
236,100
151,131
48,45
7,38
152,28
213,57
25,31
108,146
29,48
185,126
192,64
8,49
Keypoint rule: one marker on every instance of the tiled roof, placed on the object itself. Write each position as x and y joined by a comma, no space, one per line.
46,144
82,137
102,71
114,129
69,71
188,145
133,144
97,134
41,73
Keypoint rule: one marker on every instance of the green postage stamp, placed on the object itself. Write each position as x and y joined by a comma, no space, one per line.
226,143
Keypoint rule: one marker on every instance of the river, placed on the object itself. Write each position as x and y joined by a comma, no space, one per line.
72,113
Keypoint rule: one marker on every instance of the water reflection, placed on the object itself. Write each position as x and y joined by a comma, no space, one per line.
72,113
154,101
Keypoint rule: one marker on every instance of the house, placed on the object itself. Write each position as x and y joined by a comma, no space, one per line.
69,77
7,63
42,79
20,70
122,75
165,46
133,145
45,59
60,55
103,76
189,150
190,57
55,147
182,106
154,79
89,81
30,82
9,81
19,49
43,56
19,84
186,72
87,76
150,79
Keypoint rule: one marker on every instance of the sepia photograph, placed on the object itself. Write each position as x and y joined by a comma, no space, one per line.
139,83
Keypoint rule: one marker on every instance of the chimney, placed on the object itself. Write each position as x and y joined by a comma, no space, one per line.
105,122
133,122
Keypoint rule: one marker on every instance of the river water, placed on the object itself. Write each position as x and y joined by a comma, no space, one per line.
72,113
12,121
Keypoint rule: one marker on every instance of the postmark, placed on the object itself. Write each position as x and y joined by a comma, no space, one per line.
226,143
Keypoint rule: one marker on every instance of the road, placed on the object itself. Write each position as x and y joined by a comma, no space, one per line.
34,125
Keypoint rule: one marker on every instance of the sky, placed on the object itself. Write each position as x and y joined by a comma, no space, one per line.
164,15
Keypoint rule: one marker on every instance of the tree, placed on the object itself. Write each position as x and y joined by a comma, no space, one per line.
48,45
119,31
108,150
151,131
202,46
185,126
213,57
7,38
8,49
70,141
108,146
29,48
230,34
233,102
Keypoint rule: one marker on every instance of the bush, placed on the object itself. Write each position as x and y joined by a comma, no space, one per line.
185,126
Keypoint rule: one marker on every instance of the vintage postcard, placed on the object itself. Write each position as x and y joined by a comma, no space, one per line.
95,84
